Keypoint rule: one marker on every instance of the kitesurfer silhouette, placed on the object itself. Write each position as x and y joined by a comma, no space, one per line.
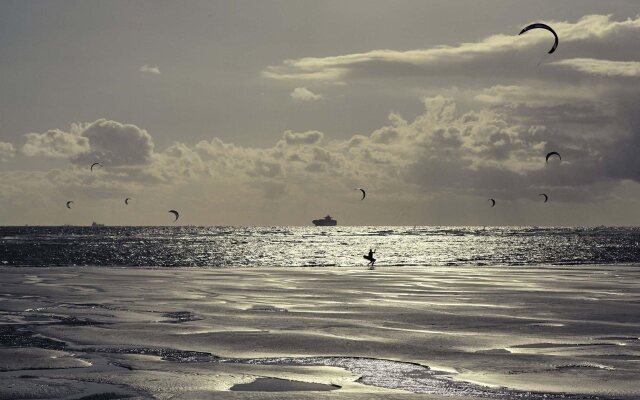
370,257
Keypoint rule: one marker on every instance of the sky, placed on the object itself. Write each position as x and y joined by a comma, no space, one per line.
274,112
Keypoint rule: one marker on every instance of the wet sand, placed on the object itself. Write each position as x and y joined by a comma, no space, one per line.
401,333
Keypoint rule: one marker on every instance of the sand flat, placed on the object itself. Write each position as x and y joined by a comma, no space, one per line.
541,329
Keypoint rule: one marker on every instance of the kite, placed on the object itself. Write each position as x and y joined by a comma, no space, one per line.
543,26
553,153
174,212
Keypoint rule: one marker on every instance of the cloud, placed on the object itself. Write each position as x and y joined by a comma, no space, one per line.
505,55
532,96
147,69
561,107
302,94
56,144
609,68
116,144
7,150
496,149
108,142
309,137
493,149
266,169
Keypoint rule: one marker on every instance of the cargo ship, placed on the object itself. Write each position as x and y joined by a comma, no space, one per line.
326,221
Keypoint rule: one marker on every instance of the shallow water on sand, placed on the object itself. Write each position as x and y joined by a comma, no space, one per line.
315,246
465,332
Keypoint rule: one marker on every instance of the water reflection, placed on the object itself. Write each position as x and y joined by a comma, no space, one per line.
306,246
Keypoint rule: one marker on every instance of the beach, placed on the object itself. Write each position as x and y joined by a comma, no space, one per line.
396,333
289,199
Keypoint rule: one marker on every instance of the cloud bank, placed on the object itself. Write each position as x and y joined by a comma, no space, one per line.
496,150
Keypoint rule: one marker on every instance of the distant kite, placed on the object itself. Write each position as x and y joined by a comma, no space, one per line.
493,202
553,153
546,198
174,212
126,201
364,194
69,203
94,164
543,26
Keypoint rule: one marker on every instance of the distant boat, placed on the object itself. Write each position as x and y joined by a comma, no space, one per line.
326,221
96,225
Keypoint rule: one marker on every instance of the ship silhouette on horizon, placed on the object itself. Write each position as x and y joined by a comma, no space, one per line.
326,221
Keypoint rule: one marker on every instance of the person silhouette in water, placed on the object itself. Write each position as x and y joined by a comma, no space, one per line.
370,257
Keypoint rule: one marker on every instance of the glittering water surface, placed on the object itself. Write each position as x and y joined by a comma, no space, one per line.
415,378
313,246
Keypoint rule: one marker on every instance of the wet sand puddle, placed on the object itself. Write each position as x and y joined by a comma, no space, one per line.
389,374
415,378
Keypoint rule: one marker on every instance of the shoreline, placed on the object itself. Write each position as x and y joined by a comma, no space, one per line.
495,326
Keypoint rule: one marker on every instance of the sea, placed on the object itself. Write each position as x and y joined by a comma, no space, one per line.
280,246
